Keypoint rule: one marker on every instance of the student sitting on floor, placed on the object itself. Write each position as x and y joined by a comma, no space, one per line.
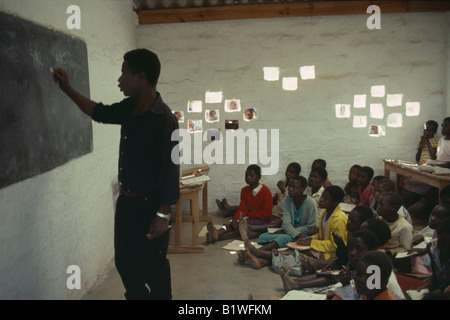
387,185
256,205
368,288
323,164
383,233
356,218
364,177
315,186
292,170
421,262
439,251
401,230
359,243
444,195
254,231
351,188
373,185
332,220
439,213
299,217
381,229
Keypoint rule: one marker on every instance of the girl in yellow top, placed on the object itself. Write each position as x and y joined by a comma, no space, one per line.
331,221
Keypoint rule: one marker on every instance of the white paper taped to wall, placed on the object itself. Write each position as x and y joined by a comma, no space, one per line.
359,100
394,100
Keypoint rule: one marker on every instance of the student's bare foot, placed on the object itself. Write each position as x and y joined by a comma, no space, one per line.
285,278
241,256
252,260
226,205
221,206
211,235
309,265
250,247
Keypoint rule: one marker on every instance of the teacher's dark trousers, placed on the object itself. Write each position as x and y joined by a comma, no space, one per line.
141,262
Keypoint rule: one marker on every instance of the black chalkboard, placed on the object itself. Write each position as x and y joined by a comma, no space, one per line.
40,128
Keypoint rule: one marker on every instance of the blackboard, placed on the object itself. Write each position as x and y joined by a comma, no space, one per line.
40,127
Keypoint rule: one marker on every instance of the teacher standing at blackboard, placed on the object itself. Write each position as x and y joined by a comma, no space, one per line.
148,176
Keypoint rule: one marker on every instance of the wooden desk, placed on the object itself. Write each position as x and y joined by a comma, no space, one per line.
200,171
191,194
410,170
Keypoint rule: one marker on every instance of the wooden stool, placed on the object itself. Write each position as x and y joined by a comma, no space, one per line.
191,194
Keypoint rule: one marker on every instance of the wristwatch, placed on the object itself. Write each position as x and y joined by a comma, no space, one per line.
162,215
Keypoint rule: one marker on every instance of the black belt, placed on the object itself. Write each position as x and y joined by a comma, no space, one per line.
132,193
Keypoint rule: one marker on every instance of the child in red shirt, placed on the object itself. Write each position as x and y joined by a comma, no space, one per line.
256,205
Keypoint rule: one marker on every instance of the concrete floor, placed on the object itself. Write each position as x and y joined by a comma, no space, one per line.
213,275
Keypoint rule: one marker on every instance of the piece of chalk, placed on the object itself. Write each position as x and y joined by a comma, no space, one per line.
51,69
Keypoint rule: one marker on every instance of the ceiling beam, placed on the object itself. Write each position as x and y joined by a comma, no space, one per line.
283,10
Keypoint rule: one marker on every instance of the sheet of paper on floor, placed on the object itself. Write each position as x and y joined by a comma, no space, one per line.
301,295
237,245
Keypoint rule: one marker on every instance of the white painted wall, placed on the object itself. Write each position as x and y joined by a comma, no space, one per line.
65,216
408,55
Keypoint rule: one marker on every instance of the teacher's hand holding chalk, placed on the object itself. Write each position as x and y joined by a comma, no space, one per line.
60,77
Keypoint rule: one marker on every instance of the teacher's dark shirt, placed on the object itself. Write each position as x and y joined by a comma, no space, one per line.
146,148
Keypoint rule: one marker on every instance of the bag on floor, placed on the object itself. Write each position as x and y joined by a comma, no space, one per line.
291,262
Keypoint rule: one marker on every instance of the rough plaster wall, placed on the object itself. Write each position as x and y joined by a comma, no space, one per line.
407,55
65,216
447,91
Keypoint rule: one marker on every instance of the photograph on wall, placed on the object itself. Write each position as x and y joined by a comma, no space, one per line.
212,116
376,131
179,115
233,105
195,126
231,124
250,114
194,106
342,110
